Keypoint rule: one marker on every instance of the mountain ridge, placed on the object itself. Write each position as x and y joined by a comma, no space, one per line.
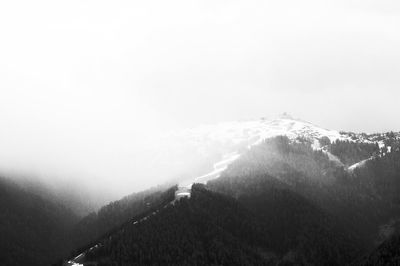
298,170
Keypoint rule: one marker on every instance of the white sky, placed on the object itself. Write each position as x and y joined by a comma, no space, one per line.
83,82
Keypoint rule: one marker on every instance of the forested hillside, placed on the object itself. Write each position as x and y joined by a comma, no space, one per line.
353,152
387,254
361,201
110,217
212,229
207,229
33,231
281,203
38,231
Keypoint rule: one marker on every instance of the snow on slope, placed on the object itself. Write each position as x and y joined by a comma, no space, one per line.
200,154
233,138
230,139
359,164
258,130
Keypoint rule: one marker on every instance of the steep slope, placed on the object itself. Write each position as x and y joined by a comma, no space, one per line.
298,192
351,153
112,216
296,187
207,229
381,176
361,201
209,149
306,208
387,254
33,230
212,229
195,153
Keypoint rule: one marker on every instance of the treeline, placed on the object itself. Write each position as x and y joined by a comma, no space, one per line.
353,152
284,158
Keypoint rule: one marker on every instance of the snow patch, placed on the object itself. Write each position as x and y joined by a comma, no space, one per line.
356,165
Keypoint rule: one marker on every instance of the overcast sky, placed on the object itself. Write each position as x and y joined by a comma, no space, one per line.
89,75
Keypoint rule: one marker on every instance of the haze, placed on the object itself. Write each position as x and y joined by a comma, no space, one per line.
85,86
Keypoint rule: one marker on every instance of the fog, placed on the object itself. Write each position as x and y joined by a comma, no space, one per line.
86,87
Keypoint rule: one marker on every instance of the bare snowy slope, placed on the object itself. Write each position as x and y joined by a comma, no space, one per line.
226,141
202,153
255,131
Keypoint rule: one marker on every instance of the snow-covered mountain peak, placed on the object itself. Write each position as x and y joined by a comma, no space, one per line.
254,131
220,144
294,128
202,153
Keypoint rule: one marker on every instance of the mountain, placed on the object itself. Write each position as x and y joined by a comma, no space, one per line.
213,229
205,151
300,206
266,192
117,213
37,229
33,229
187,232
